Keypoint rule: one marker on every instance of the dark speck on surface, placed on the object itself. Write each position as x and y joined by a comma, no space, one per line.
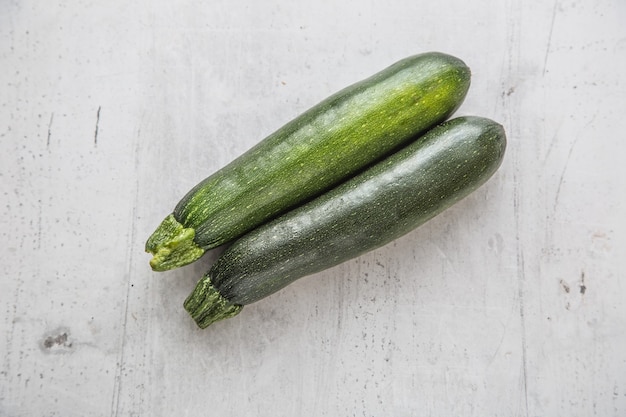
58,340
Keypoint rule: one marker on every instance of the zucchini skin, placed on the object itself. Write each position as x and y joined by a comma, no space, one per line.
309,155
377,206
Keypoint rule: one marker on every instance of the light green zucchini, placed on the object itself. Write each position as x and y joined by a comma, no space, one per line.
319,149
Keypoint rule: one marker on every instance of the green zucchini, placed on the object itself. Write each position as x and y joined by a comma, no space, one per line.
324,146
373,208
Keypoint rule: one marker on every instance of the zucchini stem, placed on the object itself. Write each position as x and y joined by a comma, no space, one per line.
172,245
206,305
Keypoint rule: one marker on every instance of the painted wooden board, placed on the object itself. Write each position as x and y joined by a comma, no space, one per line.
509,304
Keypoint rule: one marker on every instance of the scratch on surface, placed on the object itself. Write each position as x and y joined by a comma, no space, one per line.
495,353
117,390
39,217
95,136
553,141
521,278
549,43
569,156
49,130
445,258
512,106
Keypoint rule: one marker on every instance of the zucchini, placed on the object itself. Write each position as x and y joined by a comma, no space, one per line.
324,146
373,208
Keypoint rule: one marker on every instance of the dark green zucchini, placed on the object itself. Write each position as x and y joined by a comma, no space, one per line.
375,207
324,146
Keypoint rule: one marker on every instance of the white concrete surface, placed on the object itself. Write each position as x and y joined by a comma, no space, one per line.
512,303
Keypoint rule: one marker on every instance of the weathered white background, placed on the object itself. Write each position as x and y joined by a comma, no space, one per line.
512,303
